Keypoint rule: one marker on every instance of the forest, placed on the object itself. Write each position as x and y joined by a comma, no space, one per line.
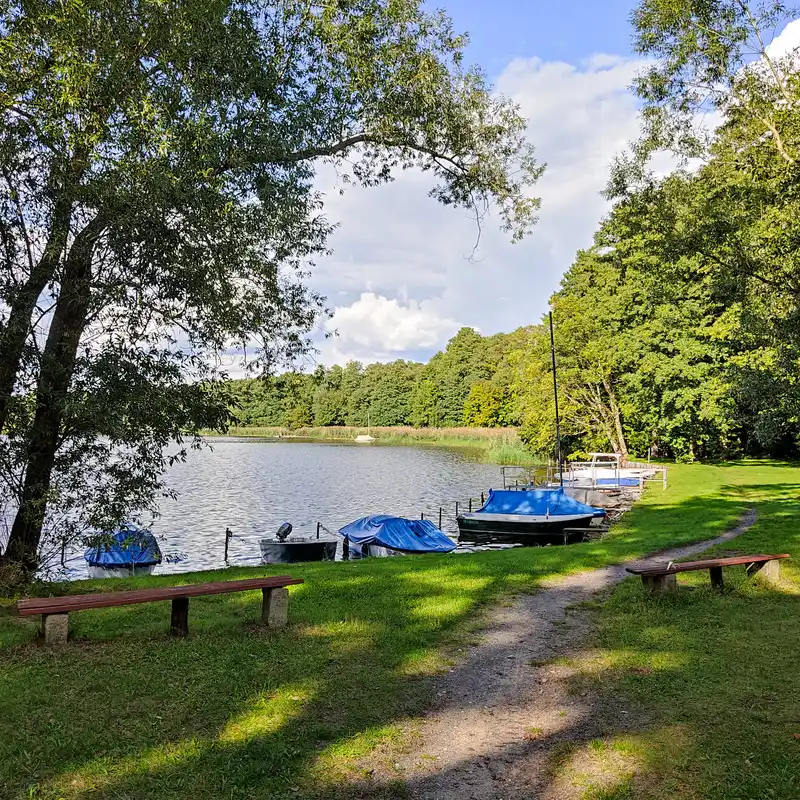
677,332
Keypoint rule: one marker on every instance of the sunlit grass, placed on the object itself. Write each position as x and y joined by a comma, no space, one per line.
712,678
236,711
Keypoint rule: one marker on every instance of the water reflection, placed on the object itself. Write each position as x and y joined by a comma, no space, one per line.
252,486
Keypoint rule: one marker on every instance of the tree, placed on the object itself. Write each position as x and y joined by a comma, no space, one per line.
158,207
710,56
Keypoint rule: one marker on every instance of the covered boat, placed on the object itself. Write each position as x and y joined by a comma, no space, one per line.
537,516
383,535
124,552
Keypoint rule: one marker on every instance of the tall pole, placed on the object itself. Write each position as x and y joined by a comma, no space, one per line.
555,395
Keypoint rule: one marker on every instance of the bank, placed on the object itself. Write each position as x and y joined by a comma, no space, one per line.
492,445
234,711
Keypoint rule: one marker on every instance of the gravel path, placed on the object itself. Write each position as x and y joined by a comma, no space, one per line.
504,714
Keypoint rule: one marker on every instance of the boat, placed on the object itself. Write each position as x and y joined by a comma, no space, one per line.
531,517
127,551
606,470
285,550
385,535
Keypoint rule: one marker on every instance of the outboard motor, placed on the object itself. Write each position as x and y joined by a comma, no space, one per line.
283,532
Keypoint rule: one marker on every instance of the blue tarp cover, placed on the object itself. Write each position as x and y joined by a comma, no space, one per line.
127,546
409,535
617,482
536,502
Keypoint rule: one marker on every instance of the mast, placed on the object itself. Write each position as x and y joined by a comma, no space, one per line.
555,395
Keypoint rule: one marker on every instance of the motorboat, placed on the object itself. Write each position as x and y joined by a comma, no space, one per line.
532,517
287,549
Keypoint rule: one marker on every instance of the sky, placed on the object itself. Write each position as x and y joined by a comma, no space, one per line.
401,280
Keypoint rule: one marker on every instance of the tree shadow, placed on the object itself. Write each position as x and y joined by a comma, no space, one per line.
235,711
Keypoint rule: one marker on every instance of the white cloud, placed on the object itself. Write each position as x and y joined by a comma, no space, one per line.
402,278
375,328
787,42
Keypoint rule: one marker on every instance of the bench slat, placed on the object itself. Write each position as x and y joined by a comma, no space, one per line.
81,602
690,566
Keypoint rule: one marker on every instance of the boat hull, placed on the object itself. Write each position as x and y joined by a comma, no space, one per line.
478,528
297,551
120,571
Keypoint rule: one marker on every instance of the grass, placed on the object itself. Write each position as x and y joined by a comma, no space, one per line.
494,445
711,679
237,712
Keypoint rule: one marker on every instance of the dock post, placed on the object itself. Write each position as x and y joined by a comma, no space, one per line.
482,500
470,505
440,517
317,530
228,535
345,550
422,515
456,508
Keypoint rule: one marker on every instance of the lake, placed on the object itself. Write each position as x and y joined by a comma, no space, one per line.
252,486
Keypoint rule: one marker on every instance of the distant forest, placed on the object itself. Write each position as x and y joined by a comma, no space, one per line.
677,332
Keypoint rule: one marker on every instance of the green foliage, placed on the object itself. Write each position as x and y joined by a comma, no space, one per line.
237,711
158,207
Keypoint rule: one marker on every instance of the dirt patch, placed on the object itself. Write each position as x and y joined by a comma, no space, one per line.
508,719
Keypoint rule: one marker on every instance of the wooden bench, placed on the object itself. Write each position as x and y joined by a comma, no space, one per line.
55,610
662,578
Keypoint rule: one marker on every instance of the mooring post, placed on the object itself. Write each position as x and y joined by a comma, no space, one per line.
345,550
456,507
440,517
422,515
228,534
482,500
317,530
470,505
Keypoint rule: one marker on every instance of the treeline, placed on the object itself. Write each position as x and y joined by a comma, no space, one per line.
471,383
677,333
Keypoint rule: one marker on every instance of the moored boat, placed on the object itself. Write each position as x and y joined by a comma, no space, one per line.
285,550
531,517
384,535
125,552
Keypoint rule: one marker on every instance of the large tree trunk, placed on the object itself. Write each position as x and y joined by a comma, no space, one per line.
18,328
58,364
617,420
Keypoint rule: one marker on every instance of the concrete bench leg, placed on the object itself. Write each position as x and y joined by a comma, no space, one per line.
275,607
771,570
55,628
658,584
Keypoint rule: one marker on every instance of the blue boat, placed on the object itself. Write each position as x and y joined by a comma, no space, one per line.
533,517
382,535
124,552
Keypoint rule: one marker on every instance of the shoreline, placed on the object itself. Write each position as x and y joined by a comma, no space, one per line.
493,445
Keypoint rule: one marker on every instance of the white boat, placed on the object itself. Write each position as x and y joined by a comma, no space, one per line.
364,438
606,469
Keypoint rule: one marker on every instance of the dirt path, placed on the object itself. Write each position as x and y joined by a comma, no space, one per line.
503,714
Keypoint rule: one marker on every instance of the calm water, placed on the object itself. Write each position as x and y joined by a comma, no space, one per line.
253,486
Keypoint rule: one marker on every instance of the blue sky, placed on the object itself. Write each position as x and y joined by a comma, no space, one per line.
559,30
400,279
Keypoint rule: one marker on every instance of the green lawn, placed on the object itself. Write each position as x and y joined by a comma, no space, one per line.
236,712
711,682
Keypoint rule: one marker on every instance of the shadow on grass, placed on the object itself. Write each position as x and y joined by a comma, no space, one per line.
235,711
